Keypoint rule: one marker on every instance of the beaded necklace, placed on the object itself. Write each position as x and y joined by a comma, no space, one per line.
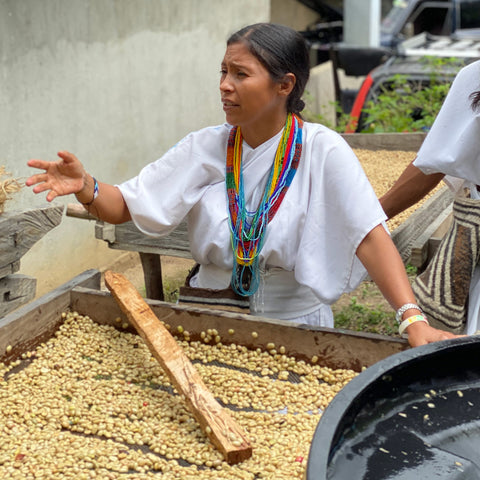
248,228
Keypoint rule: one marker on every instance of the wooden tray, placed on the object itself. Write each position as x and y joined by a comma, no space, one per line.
25,328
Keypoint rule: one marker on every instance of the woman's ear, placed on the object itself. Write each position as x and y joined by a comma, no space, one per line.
287,84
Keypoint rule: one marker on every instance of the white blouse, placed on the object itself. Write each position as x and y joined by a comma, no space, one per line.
328,210
452,147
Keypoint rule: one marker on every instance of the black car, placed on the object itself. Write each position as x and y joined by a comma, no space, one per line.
401,19
408,18
414,64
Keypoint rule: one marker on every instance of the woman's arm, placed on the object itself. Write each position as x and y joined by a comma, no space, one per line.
68,176
411,187
380,257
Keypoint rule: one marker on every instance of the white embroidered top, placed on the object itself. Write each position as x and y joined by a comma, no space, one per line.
328,210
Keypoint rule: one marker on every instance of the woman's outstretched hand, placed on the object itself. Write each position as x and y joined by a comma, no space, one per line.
62,177
419,333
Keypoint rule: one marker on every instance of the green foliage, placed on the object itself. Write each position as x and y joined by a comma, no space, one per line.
364,318
403,105
411,270
342,119
171,289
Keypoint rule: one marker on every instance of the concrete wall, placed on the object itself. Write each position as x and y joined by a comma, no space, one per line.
320,93
292,13
117,82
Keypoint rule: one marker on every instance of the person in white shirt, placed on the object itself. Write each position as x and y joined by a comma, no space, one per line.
449,289
278,209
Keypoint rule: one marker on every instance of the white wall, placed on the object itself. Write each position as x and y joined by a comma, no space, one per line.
292,13
117,82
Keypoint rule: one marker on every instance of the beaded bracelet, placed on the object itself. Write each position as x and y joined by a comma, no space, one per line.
406,323
404,308
95,192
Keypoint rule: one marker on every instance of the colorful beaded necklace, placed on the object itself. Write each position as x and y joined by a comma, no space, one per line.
248,228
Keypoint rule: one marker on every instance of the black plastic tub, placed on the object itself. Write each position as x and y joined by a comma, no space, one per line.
414,415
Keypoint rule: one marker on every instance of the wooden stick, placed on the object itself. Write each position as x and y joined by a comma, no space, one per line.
77,210
215,421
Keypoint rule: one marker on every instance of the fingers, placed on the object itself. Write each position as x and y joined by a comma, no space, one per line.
52,194
40,164
41,187
67,157
430,336
34,179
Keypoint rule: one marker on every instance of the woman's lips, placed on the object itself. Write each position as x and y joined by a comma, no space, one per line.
227,106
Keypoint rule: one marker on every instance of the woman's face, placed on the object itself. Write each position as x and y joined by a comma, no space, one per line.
250,97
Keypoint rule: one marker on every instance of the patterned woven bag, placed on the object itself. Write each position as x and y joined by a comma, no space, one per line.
442,289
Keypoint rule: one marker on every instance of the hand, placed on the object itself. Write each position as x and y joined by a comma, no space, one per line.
420,333
63,177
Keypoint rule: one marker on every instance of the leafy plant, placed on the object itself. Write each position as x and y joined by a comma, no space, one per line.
365,318
342,118
171,289
403,105
411,270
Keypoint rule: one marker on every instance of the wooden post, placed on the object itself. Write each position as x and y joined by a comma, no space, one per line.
152,274
215,421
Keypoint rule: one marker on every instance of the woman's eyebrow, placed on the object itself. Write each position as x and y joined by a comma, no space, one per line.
235,64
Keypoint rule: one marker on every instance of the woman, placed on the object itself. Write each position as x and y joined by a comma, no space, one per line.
277,208
449,289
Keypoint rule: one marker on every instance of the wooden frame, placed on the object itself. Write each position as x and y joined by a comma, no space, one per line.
32,324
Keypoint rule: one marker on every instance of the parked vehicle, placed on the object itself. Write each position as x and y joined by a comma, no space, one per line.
402,20
327,31
412,65
408,18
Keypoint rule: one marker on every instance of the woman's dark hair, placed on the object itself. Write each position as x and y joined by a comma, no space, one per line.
280,50
475,98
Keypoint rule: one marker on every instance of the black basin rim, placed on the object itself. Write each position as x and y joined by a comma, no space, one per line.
349,400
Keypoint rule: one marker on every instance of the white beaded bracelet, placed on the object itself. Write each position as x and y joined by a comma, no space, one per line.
406,323
404,308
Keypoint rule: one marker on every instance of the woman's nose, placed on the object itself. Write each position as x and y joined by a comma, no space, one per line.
225,83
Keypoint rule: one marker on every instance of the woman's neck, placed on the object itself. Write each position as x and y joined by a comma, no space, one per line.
255,135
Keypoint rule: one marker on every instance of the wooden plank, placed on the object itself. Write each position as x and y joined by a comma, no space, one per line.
413,227
437,236
219,426
421,248
128,237
30,325
9,268
15,291
152,274
21,230
77,210
335,348
405,142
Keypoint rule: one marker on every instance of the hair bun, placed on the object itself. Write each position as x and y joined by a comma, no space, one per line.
300,105
297,105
